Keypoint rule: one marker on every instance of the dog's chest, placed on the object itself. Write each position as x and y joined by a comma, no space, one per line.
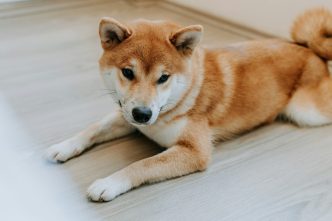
165,134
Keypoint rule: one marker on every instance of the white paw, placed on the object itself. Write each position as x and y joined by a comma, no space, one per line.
106,189
63,151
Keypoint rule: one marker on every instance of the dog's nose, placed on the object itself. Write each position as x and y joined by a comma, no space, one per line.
142,114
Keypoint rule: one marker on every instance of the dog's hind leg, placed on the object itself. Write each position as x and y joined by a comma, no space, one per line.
110,127
311,105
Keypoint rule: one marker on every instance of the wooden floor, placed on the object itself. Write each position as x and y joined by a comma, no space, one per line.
49,78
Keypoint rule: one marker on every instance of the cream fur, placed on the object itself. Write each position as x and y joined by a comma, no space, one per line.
210,93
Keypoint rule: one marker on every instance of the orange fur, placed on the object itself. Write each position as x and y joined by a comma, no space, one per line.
241,86
226,91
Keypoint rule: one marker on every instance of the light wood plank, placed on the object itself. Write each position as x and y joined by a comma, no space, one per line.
49,76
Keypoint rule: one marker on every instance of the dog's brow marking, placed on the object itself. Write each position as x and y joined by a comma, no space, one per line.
160,68
133,61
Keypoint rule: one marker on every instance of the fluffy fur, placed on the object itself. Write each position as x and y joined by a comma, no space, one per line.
210,94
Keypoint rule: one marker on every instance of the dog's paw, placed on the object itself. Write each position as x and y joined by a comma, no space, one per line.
64,151
103,190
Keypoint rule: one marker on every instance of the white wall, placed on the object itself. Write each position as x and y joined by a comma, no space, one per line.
269,16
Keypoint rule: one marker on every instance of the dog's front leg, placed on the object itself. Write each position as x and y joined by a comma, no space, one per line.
110,127
191,153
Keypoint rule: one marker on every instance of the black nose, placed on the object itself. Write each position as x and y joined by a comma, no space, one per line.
142,114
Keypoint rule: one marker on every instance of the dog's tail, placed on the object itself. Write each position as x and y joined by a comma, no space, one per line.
314,29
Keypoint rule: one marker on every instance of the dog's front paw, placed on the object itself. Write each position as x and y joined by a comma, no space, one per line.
64,151
106,189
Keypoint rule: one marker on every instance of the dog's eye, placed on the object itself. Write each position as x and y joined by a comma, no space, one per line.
163,79
128,73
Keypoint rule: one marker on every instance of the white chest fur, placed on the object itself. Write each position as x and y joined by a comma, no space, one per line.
164,133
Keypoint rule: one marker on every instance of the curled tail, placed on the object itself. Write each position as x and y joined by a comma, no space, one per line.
314,29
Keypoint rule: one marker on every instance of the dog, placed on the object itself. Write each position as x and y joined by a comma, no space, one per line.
185,97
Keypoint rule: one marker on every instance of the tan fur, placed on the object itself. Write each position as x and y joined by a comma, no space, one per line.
228,90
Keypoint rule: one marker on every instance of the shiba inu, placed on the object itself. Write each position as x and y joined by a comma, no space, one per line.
185,97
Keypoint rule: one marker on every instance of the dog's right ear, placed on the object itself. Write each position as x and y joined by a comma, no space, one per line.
112,32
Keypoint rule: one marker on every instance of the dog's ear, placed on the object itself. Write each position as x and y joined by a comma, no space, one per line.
112,32
186,39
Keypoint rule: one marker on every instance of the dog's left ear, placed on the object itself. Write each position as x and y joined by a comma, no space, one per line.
186,39
112,32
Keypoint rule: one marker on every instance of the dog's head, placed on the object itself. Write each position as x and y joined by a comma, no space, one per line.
146,65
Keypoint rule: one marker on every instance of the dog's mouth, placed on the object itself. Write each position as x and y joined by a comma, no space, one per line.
140,124
137,124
